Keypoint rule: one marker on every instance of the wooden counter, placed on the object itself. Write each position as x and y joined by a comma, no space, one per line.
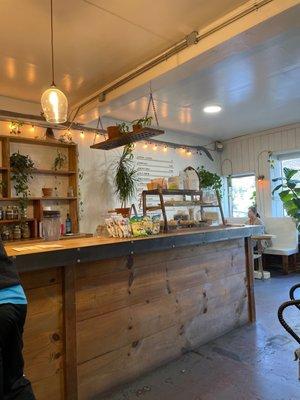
104,311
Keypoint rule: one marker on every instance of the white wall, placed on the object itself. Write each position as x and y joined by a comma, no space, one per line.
249,154
97,186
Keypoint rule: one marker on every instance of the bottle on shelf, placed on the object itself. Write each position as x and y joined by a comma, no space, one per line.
68,225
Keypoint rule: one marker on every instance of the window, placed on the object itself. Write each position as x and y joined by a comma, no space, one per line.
281,161
241,195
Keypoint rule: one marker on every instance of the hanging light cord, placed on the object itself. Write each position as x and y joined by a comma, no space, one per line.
52,46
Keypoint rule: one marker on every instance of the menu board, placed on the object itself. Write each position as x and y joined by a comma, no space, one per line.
151,167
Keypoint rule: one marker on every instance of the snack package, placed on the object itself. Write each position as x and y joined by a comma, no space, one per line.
138,226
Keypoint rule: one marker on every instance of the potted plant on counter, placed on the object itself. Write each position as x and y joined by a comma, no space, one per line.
290,193
125,179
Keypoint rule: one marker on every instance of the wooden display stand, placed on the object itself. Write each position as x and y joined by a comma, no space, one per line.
185,203
38,202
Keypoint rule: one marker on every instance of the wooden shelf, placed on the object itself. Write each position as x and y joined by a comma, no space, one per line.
127,138
174,192
3,169
38,198
52,172
14,221
45,142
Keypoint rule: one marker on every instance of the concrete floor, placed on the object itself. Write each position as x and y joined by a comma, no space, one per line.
254,362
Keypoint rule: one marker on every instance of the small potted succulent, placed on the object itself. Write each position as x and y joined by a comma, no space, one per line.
141,123
125,179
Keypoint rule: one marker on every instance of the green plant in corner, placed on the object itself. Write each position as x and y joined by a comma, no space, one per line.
22,167
125,176
290,193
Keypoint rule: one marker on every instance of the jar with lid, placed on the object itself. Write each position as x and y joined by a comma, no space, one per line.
15,212
5,233
17,234
9,215
25,231
51,225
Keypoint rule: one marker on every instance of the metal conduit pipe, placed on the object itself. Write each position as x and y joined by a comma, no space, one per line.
189,40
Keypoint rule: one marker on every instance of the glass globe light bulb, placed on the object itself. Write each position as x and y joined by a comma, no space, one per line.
54,105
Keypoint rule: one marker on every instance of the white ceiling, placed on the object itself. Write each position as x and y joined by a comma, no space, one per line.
258,89
96,41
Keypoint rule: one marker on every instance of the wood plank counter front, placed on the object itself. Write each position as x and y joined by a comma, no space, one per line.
103,311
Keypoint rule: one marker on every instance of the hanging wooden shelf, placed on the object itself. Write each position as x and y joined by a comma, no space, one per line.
127,138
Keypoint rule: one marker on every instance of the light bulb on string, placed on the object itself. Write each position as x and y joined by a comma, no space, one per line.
145,146
165,149
155,147
82,134
188,152
32,128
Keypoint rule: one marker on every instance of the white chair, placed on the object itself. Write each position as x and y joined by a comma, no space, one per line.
285,244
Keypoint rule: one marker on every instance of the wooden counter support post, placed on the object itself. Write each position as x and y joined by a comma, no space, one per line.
250,279
69,301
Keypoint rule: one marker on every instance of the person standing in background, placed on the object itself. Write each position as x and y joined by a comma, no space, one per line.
13,308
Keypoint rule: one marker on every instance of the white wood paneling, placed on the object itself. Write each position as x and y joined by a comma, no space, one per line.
249,154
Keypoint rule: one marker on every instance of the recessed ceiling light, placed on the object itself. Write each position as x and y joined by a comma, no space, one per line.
212,109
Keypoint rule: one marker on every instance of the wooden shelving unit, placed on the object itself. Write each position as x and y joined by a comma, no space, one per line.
193,202
37,202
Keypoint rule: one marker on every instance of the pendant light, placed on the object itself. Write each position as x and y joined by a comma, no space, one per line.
54,102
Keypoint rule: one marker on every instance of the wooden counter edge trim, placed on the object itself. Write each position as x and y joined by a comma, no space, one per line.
95,252
250,278
69,307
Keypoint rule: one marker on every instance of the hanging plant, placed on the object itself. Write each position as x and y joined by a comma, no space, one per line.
81,205
59,161
126,176
22,167
141,123
15,127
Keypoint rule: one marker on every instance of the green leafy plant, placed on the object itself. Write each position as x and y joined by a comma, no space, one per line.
290,192
81,204
209,179
123,127
59,161
22,167
125,176
253,198
3,186
142,122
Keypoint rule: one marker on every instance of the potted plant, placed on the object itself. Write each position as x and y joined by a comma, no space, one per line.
207,179
125,179
22,167
141,123
117,130
290,194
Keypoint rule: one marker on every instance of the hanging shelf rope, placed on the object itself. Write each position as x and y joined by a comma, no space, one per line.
123,139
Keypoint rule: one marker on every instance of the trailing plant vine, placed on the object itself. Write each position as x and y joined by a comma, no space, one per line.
22,167
126,176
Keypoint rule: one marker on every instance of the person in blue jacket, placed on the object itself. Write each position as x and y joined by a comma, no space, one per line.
13,307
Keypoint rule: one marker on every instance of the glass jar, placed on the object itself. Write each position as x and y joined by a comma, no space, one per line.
25,231
51,225
15,212
9,215
17,233
1,213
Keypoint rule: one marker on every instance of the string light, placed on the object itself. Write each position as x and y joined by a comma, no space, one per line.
82,134
145,146
32,128
165,149
155,147
188,153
